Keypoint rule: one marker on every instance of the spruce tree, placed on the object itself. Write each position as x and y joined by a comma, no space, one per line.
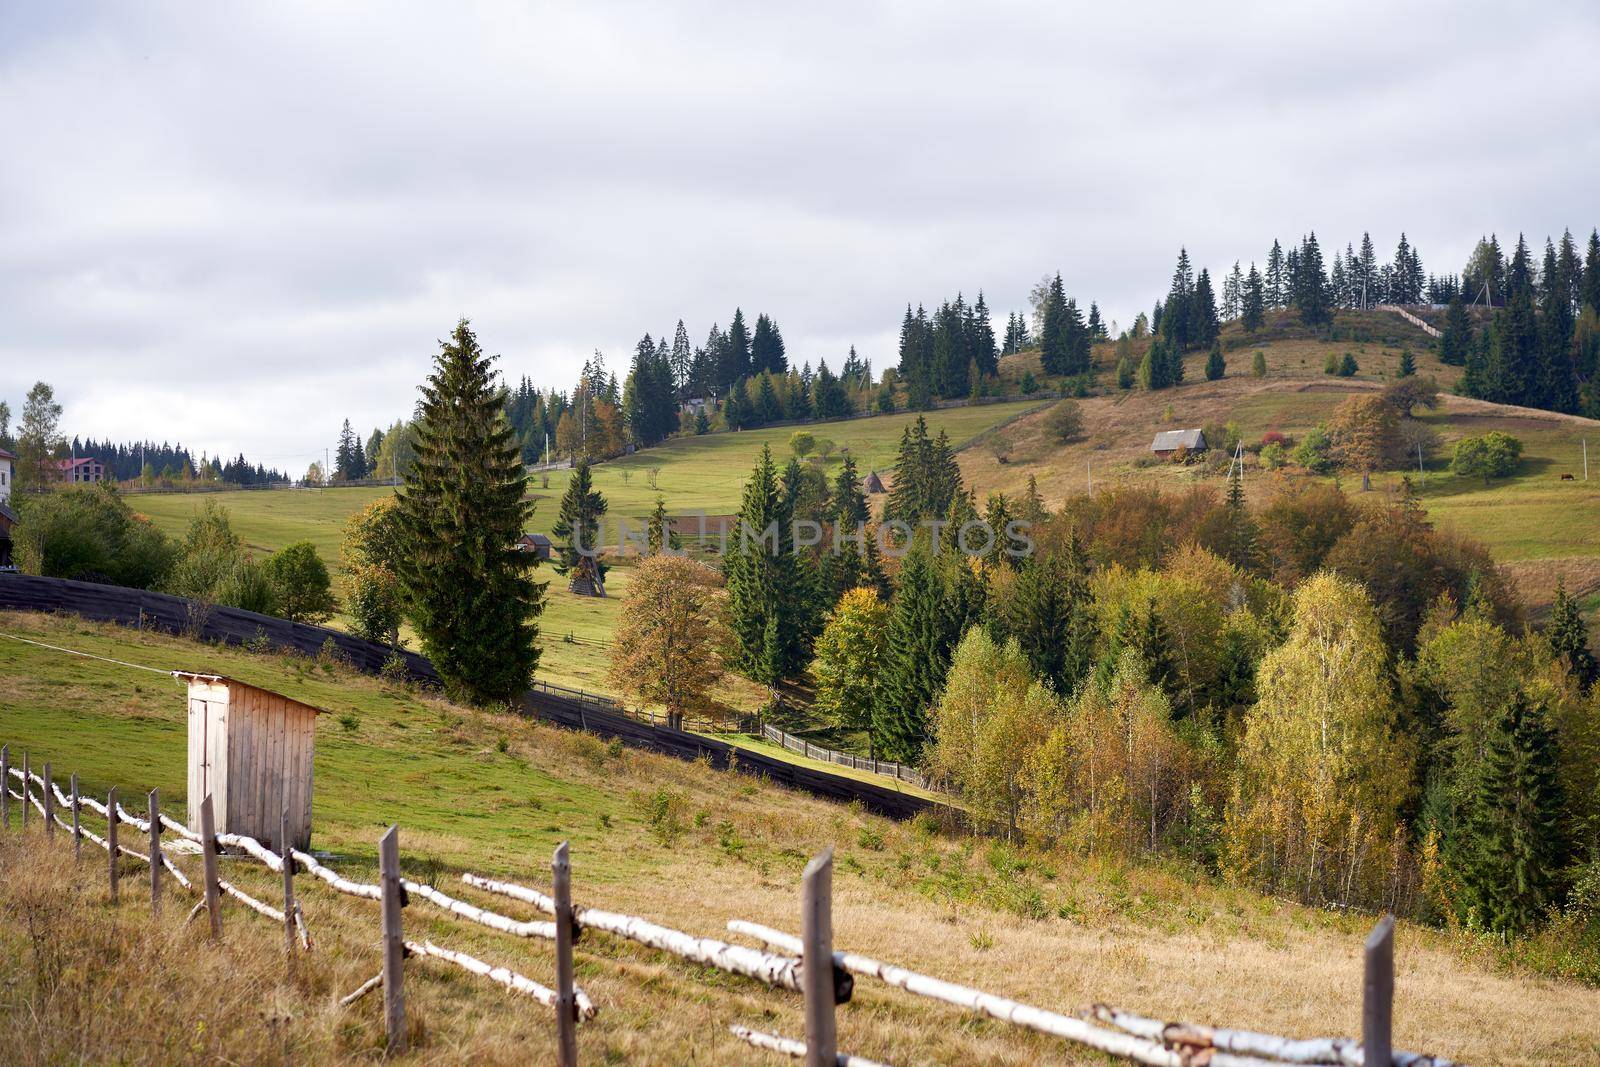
761,574
1125,373
736,350
1054,337
1048,612
1569,637
1153,368
472,599
1258,364
1253,305
919,647
1216,366
1518,847
577,526
1408,364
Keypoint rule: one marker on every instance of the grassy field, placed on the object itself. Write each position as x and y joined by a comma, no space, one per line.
673,841
708,473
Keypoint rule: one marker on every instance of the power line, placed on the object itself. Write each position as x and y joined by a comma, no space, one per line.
90,655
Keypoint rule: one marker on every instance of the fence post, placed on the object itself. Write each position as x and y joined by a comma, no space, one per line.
816,961
5,786
288,889
208,853
77,829
566,1001
394,943
49,802
1377,996
111,838
27,789
154,802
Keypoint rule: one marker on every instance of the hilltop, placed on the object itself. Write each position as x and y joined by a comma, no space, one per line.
656,837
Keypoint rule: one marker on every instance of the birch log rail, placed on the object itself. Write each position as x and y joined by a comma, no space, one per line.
506,977
781,971
788,1046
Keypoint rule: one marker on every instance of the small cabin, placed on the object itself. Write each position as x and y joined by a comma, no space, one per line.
538,544
250,748
1168,442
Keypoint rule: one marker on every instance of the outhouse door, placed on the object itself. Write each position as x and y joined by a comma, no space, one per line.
208,747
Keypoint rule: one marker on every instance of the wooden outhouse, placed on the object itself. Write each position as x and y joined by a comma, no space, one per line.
251,750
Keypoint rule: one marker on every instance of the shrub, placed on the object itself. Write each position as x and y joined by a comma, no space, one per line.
1493,455
90,534
1273,437
299,583
1331,364
1348,366
1216,366
1315,453
802,443
1065,421
1272,455
1258,364
1029,385
1124,373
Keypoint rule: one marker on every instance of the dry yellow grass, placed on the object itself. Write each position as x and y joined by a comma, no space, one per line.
1051,929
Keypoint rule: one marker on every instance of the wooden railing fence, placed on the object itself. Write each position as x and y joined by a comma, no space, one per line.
780,963
898,771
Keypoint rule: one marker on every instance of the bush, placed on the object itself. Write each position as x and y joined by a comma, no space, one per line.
1348,366
1494,455
1216,367
90,534
1258,364
1065,421
1272,455
1331,364
299,583
1315,453
802,443
1029,384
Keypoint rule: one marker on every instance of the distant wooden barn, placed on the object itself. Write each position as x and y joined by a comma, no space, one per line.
537,543
586,580
1167,442
251,749
874,483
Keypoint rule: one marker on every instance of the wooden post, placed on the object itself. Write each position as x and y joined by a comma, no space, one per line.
816,960
394,942
208,853
27,786
566,1002
5,786
77,829
111,839
1377,996
153,802
49,803
288,889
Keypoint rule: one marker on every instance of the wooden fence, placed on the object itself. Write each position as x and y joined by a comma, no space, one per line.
898,771
1414,320
780,964
143,609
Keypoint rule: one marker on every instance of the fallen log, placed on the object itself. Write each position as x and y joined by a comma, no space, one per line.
788,1046
506,977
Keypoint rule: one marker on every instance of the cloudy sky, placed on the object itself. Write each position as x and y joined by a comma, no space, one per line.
235,225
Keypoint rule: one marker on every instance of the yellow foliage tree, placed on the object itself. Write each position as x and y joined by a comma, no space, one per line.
669,649
1321,771
851,656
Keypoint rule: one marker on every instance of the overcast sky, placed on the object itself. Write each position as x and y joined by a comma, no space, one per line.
235,225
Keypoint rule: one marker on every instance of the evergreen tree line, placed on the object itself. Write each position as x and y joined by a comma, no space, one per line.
129,462
947,354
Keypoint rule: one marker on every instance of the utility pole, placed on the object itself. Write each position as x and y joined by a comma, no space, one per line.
1585,459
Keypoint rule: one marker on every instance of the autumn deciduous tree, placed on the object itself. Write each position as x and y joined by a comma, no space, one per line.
851,655
301,589
373,600
986,719
1322,772
671,645
1365,434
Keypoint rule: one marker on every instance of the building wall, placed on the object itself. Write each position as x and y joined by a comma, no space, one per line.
7,475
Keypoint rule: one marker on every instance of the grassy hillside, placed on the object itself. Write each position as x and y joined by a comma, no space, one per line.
1537,524
673,841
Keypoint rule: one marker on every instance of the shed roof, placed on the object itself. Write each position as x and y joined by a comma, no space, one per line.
196,676
537,539
1172,440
